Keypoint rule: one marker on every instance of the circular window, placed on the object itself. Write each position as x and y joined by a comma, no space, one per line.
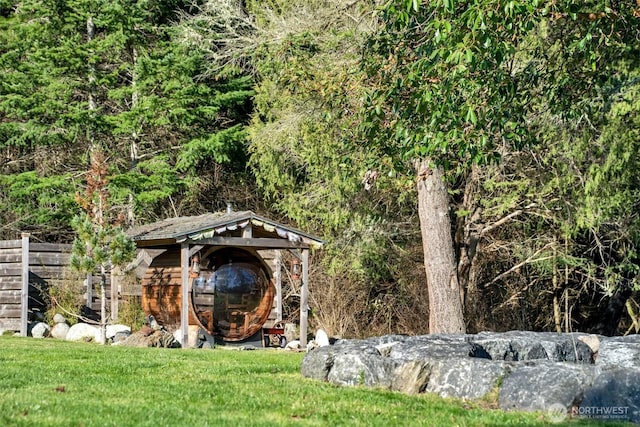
233,297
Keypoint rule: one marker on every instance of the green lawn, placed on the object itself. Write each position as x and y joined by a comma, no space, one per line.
55,383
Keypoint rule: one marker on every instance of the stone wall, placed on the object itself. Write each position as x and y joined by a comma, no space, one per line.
563,374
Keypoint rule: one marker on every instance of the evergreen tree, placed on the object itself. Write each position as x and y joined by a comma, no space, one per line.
100,244
114,73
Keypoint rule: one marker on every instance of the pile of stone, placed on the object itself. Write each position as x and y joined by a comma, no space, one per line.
78,332
148,336
584,375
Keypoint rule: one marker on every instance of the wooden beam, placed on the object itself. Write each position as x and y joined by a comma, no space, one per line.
195,250
162,243
184,311
266,243
24,294
247,232
50,247
277,275
143,260
4,244
304,299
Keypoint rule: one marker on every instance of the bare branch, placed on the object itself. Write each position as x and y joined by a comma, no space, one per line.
530,260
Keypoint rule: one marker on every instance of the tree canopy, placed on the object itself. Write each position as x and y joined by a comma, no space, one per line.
338,116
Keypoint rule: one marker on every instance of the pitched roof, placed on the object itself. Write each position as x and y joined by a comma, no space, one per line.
208,225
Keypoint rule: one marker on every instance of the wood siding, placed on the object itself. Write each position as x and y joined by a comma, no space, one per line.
162,287
47,263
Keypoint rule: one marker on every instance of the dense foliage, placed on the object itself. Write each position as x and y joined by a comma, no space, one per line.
315,112
77,73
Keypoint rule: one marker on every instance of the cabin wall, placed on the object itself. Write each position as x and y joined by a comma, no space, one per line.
162,289
269,256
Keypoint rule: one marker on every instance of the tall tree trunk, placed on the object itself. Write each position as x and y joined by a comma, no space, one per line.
134,135
445,304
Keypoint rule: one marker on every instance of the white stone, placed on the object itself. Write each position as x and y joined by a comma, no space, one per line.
59,318
290,332
60,330
322,339
177,334
81,332
592,341
192,335
40,330
293,345
112,330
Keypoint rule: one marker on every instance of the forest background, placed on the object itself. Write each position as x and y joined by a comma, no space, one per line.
334,116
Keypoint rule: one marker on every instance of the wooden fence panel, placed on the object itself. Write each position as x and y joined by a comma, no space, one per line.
47,263
10,284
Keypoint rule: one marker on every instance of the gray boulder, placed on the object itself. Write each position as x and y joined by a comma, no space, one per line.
411,377
466,378
318,362
433,347
614,395
619,352
534,371
537,386
60,330
349,363
365,367
442,365
524,345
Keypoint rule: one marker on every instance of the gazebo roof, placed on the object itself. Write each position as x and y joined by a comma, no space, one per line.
222,228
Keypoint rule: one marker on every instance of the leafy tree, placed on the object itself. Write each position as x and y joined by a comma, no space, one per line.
305,58
460,83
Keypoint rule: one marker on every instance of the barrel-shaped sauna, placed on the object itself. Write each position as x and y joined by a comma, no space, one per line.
231,296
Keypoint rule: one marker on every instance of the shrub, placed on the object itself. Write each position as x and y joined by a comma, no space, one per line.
66,297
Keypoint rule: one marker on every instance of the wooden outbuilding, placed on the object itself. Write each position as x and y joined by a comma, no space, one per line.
211,272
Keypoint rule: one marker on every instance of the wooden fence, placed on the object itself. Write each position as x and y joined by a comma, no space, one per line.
27,269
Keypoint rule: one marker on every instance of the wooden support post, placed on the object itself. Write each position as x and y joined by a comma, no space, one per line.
304,299
184,312
278,279
115,292
24,292
88,281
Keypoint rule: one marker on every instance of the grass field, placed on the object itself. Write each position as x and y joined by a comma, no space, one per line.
56,383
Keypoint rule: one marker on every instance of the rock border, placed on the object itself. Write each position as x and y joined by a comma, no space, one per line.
571,374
